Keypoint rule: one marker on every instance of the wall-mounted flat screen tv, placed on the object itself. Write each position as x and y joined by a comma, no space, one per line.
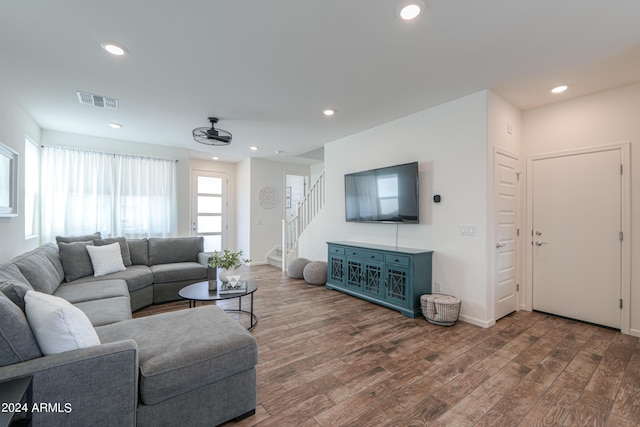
385,195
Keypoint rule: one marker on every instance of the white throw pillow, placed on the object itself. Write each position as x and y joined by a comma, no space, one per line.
106,259
57,325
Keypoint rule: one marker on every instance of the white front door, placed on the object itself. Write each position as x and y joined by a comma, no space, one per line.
506,214
576,248
208,208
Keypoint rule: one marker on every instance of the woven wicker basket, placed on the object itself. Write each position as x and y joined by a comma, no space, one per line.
440,309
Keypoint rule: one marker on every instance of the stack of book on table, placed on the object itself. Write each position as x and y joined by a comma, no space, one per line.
233,288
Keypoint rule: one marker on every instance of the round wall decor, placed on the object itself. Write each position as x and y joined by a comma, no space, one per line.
268,197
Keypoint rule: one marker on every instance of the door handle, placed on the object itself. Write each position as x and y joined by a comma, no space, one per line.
540,243
500,245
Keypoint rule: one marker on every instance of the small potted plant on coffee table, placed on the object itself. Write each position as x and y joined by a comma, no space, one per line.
226,262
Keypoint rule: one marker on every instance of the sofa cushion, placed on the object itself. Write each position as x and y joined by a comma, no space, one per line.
177,271
57,325
75,260
42,268
107,310
83,238
10,271
17,343
185,350
124,247
75,293
106,259
175,249
139,251
136,276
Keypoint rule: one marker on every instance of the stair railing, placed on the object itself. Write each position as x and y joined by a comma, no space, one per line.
306,211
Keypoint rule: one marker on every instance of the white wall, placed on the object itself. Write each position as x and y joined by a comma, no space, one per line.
15,125
266,224
604,118
450,144
243,207
63,139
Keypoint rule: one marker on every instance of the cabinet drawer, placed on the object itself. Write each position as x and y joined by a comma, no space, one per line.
366,255
397,259
336,250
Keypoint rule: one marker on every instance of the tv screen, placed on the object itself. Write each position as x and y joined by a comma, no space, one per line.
388,195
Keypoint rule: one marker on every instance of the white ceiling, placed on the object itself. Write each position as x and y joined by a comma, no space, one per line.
267,69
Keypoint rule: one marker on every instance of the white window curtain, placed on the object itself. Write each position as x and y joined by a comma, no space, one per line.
85,191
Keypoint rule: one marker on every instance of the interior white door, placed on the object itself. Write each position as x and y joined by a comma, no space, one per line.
506,200
576,236
208,208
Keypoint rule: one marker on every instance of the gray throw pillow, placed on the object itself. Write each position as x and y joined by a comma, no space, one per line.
85,238
139,250
16,339
75,260
124,247
15,291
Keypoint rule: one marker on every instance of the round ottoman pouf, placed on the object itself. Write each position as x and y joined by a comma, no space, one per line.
296,267
315,273
440,309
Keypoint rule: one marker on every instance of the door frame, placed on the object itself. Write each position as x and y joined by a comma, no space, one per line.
625,209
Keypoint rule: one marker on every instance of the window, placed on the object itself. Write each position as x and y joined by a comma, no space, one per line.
117,195
31,188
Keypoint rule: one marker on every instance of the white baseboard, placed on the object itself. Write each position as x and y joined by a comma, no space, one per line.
634,332
482,323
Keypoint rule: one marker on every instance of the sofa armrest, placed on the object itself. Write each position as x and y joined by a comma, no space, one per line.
204,257
92,386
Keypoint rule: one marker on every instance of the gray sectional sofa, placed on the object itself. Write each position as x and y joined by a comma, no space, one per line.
191,367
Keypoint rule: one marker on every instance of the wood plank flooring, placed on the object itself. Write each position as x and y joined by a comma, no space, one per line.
328,359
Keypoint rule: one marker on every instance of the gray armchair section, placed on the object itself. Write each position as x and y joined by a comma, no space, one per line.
187,367
99,384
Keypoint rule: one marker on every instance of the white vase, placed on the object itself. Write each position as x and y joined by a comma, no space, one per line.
224,273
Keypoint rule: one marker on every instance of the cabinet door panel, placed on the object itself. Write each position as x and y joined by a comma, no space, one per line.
397,285
336,269
373,283
354,273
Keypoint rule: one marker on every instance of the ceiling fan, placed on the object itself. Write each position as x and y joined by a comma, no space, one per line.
212,136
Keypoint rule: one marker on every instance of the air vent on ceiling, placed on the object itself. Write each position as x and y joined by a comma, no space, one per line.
97,100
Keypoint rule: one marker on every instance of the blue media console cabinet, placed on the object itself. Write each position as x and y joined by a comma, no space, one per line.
386,275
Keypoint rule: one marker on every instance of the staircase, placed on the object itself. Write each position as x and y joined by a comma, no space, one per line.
274,257
307,210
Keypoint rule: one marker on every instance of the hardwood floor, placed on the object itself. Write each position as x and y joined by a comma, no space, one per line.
328,359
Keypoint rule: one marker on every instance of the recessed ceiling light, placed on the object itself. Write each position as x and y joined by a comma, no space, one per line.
329,112
115,125
254,148
215,158
559,89
410,9
114,49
